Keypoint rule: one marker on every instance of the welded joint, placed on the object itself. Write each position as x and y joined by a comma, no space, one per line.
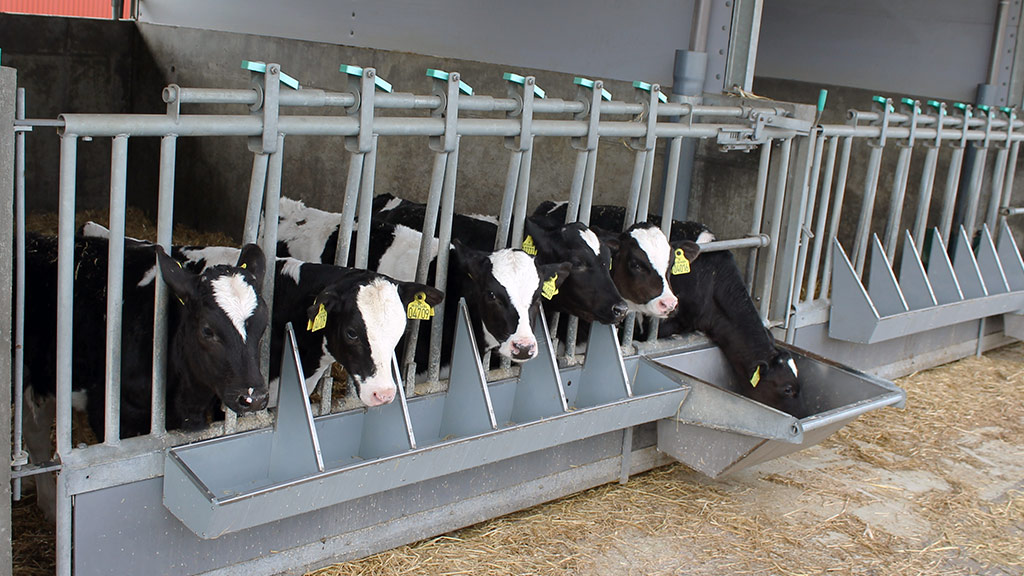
915,113
447,86
172,97
523,94
362,84
268,87
590,93
883,122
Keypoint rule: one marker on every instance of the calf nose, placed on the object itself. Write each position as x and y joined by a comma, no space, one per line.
384,396
524,350
667,305
252,400
619,311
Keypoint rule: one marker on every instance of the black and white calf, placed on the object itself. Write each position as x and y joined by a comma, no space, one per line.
215,321
610,217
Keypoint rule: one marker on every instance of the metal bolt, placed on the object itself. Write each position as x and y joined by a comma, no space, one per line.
274,69
370,73
529,81
454,76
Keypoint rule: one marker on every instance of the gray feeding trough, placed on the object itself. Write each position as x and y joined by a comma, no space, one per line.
968,287
301,465
719,431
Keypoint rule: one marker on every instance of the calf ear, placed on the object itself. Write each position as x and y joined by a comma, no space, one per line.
408,291
690,249
329,299
534,229
468,259
181,282
561,269
252,259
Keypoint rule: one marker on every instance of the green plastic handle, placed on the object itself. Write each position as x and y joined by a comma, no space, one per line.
516,78
960,106
588,83
261,67
443,76
881,100
822,97
935,104
646,87
983,107
908,101
358,72
1008,110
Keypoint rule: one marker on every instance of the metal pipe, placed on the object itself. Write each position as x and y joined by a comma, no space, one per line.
752,242
956,161
809,194
257,182
348,208
997,43
115,289
931,159
773,248
515,161
643,206
668,201
366,206
633,201
996,193
899,192
974,190
837,212
819,226
860,245
522,194
164,227
1011,172
271,214
18,384
699,25
760,191
576,188
587,196
444,238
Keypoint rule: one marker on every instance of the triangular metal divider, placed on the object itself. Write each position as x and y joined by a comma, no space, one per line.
966,268
1009,257
387,429
988,264
852,313
603,377
467,406
294,447
913,279
940,272
539,392
882,287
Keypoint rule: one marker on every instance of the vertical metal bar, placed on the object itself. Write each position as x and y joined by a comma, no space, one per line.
522,195
252,210
974,190
635,183
899,192
1011,172
809,194
931,160
18,384
515,160
366,205
115,289
348,208
956,162
860,244
785,150
65,309
587,197
819,226
271,213
164,226
576,189
672,173
444,238
996,193
837,212
760,192
643,206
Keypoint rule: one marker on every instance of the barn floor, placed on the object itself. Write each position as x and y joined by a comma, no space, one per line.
937,488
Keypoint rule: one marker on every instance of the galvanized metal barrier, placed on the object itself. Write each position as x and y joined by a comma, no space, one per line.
473,427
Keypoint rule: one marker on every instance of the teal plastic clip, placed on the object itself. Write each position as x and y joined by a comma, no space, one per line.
822,97
908,101
358,72
646,87
935,104
443,76
960,106
261,67
881,100
983,107
588,83
1008,110
513,77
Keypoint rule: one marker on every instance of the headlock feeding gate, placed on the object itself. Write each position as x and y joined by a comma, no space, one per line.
322,484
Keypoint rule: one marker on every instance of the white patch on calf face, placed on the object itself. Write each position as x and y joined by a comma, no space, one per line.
556,206
705,237
148,277
653,243
305,230
483,218
591,239
392,204
517,273
236,298
212,255
792,366
399,260
291,268
384,317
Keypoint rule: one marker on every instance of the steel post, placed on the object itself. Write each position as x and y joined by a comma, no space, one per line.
760,192
18,382
819,226
785,150
115,289
164,228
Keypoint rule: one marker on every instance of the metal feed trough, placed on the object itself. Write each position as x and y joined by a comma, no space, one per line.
244,498
719,431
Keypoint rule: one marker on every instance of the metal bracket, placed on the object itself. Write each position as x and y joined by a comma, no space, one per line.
295,448
603,377
524,93
968,113
367,84
590,92
650,113
467,406
266,80
539,392
940,118
915,113
887,109
447,87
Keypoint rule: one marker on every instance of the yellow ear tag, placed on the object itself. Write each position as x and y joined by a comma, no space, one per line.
528,246
242,266
681,265
756,377
418,309
548,290
319,322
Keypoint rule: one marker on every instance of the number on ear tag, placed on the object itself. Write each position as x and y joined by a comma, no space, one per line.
680,265
755,378
549,289
528,246
418,309
319,321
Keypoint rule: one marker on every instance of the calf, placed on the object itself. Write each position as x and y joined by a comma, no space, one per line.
215,322
609,217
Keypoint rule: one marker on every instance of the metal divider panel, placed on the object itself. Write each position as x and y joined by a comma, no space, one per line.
467,405
1009,257
965,266
913,279
603,376
386,429
882,286
852,316
539,392
944,283
294,448
989,265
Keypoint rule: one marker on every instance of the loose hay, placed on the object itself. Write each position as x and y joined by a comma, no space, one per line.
137,225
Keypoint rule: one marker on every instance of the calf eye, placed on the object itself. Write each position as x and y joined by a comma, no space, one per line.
491,296
208,332
351,335
634,265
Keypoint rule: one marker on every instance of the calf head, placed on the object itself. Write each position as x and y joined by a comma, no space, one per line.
502,290
365,317
642,265
775,382
588,292
217,342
